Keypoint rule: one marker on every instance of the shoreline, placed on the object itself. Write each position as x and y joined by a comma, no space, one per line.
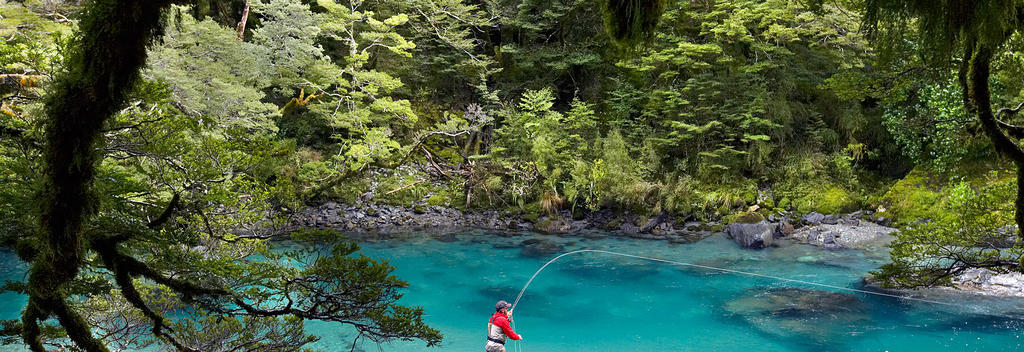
854,231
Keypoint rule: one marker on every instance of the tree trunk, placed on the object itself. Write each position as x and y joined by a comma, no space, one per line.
101,69
981,103
241,24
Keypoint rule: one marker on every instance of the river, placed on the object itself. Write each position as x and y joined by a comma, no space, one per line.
598,302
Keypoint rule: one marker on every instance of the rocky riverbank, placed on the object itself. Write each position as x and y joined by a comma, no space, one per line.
855,230
858,231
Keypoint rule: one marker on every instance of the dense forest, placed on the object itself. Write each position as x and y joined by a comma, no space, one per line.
149,151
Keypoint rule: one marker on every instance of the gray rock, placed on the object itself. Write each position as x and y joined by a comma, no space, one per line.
784,229
864,236
813,218
755,236
551,227
830,219
663,229
987,282
884,221
849,222
653,222
629,228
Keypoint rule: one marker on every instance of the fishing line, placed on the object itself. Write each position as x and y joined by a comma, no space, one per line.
739,272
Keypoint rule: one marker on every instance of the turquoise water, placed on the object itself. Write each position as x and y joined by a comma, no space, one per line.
597,302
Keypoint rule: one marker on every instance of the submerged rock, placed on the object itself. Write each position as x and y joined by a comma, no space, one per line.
756,236
821,316
540,247
445,237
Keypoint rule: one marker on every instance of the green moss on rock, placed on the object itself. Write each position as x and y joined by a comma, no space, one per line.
744,218
831,199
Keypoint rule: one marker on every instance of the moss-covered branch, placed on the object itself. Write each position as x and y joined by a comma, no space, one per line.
99,70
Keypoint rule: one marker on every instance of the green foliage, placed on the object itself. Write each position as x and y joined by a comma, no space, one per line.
827,199
977,232
180,180
510,104
629,21
932,127
622,184
734,82
917,196
212,74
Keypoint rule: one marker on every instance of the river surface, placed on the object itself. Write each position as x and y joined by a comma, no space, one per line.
598,302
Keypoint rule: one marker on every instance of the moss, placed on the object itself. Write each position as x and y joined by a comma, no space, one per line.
717,228
442,198
615,223
916,196
832,199
348,191
750,196
785,203
744,218
723,210
405,188
532,211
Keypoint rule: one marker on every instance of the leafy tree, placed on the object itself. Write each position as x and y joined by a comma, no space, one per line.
361,108
150,207
977,233
972,35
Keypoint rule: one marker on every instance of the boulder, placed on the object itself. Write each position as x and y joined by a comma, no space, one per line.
554,226
830,219
784,229
864,236
755,236
813,218
884,221
629,228
663,229
540,247
652,223
988,282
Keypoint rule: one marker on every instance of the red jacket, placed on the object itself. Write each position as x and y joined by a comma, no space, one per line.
501,320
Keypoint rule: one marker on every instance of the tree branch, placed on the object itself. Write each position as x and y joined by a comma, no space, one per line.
166,215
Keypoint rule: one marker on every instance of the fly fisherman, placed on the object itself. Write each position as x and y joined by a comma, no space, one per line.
498,328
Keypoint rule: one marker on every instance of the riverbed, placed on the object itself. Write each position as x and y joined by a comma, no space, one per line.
597,302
